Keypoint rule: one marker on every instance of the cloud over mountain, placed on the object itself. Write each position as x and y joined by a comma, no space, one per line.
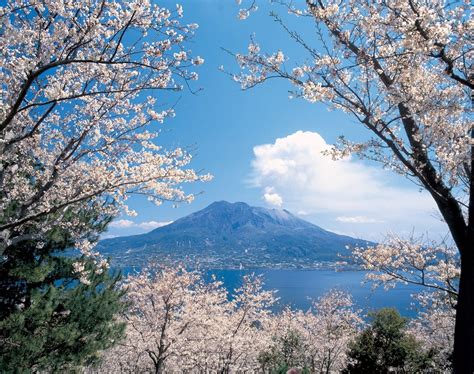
123,227
346,192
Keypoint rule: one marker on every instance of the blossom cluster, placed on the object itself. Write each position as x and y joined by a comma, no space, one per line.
178,322
325,331
399,260
83,87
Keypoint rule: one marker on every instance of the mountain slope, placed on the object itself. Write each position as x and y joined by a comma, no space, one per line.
231,235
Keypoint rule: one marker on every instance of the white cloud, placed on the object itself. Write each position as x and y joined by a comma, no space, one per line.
302,213
346,191
148,225
122,223
272,198
356,219
152,224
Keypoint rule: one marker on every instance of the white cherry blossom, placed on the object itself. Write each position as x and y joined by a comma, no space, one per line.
83,93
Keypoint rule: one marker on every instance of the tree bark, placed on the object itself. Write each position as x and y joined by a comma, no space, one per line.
464,330
159,366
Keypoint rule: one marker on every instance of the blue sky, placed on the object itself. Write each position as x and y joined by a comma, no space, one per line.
244,137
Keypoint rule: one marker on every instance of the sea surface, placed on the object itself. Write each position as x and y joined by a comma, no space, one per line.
298,288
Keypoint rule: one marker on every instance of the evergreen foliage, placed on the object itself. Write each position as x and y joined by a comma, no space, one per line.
386,347
286,352
49,319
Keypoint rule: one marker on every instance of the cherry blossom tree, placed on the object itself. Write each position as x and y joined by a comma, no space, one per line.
334,324
244,335
179,322
402,70
171,312
324,331
82,96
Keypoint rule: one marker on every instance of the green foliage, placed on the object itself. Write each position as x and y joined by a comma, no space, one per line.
64,326
32,264
49,320
286,352
385,346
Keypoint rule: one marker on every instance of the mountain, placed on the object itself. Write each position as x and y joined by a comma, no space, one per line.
229,235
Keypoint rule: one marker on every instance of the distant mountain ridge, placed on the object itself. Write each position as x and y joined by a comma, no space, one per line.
229,235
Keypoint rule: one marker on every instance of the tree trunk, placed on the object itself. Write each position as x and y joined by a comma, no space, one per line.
159,366
464,331
463,236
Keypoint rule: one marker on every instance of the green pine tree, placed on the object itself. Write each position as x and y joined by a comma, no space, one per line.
286,352
385,347
49,320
